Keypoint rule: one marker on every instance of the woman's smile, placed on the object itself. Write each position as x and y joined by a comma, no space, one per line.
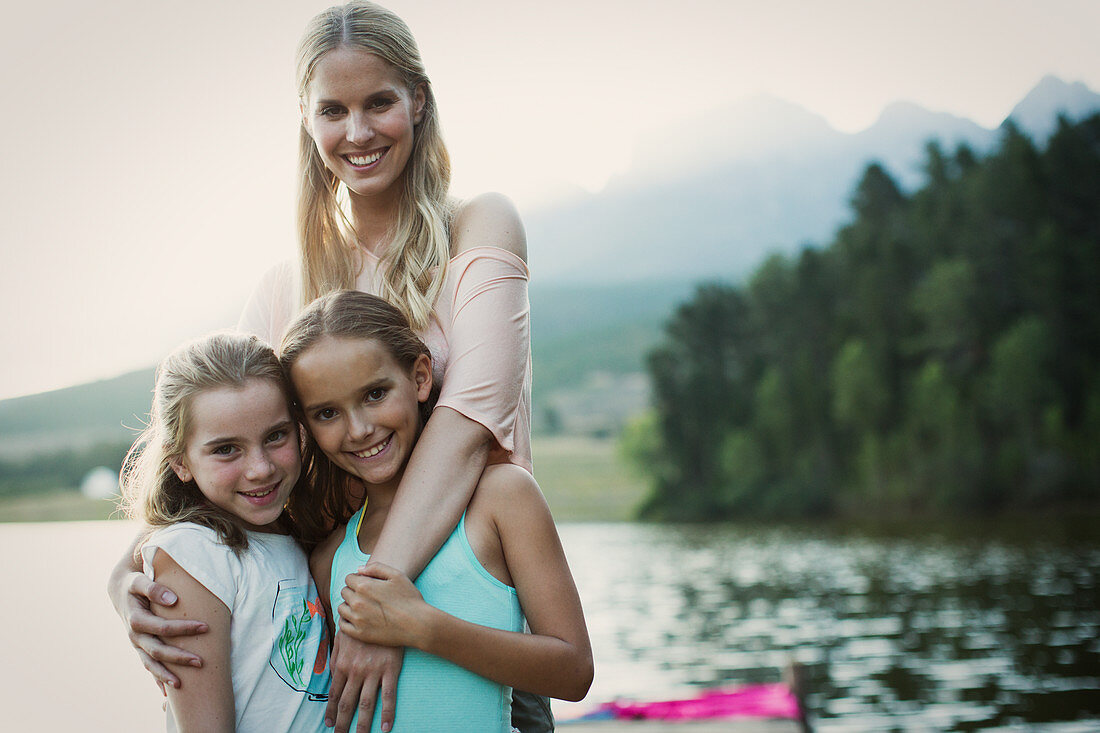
365,161
362,119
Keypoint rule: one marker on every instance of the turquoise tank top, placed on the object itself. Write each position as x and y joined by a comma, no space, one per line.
432,693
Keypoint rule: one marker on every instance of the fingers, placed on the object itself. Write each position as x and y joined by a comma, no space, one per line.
143,621
141,585
366,706
335,691
388,698
159,671
355,698
162,653
377,570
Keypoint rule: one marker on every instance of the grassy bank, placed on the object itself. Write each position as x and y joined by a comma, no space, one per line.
54,506
583,480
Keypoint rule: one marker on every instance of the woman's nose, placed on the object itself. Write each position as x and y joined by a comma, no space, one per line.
359,129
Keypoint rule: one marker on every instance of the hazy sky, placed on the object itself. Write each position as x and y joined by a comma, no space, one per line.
149,147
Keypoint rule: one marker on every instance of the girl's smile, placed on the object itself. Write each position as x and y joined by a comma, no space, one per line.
242,451
361,407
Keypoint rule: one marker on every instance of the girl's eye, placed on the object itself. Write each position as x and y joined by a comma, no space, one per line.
223,450
376,394
382,102
277,436
325,413
332,111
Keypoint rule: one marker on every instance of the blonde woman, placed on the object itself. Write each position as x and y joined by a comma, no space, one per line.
374,215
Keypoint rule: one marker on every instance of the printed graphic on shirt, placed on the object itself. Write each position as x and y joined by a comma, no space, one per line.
300,652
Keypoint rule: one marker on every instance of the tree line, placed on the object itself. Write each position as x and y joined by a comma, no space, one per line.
941,354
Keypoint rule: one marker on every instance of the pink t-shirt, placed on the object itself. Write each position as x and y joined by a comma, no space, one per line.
479,336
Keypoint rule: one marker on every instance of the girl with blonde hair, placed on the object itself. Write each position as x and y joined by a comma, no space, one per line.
210,476
374,215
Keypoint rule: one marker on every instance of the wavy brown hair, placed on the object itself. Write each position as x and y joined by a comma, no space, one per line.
415,259
347,314
151,490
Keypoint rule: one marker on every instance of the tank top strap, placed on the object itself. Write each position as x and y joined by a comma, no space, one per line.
351,531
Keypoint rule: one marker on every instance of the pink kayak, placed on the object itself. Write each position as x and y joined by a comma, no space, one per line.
771,700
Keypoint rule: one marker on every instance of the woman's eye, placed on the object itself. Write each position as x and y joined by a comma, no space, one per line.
332,111
376,394
223,450
382,103
276,436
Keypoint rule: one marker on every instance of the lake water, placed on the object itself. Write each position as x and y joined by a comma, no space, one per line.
914,631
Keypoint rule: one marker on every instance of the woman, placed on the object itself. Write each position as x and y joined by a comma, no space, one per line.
370,140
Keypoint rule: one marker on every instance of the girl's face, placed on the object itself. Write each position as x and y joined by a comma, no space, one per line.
241,451
361,117
361,406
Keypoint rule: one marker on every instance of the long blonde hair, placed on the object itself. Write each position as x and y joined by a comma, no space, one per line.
354,315
151,490
415,260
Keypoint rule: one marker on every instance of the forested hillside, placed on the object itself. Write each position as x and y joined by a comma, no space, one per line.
941,355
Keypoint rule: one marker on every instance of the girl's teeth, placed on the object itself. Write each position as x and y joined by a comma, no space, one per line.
257,494
375,450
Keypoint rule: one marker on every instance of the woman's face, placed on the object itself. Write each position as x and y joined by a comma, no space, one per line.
361,406
361,118
241,450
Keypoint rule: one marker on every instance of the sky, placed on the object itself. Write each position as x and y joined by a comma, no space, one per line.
149,148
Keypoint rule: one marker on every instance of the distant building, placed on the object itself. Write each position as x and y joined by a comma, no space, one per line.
100,483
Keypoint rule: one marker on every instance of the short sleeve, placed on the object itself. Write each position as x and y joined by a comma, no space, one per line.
271,306
488,373
197,550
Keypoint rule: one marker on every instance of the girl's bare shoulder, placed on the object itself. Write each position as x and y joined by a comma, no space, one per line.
507,489
489,219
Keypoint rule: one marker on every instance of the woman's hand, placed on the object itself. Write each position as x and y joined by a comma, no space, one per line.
382,606
134,597
358,671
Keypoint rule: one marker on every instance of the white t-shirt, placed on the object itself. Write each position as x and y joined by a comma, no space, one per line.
279,649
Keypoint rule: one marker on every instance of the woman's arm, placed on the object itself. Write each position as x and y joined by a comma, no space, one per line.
443,469
454,448
137,599
204,701
555,659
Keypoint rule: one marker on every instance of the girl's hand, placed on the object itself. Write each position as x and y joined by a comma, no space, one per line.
134,597
382,606
358,671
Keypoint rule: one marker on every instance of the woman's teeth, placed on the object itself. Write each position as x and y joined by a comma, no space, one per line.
364,159
374,449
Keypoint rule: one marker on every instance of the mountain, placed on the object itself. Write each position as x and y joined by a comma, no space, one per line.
897,139
710,199
1037,113
74,418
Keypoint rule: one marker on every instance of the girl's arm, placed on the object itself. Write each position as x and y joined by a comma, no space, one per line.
135,597
555,659
204,701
